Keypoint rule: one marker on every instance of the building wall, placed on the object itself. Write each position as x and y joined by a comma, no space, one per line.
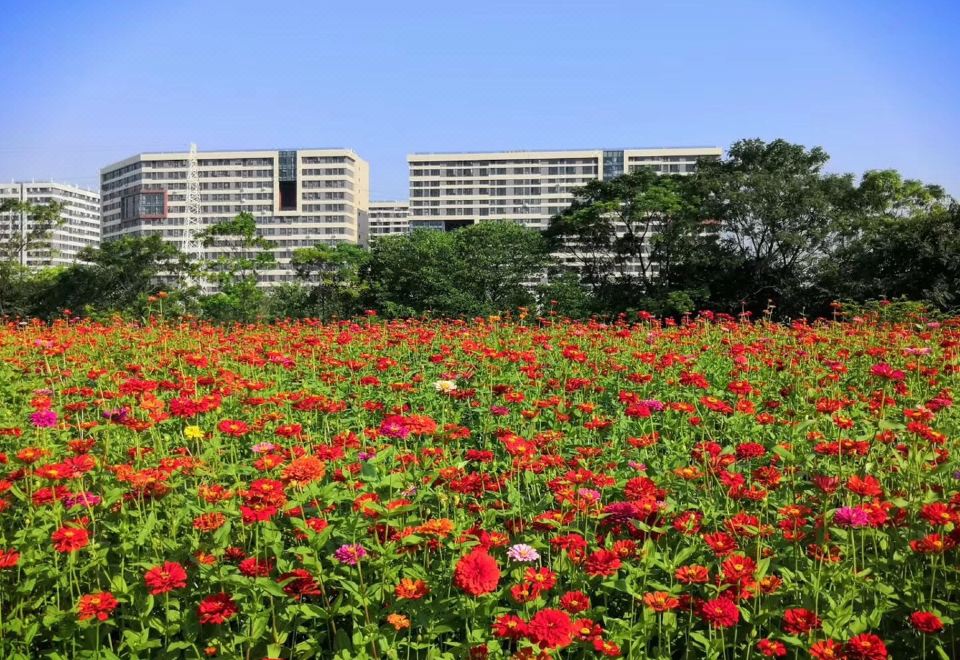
80,214
388,218
451,190
326,203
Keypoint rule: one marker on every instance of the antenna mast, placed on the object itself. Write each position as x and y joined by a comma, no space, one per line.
192,245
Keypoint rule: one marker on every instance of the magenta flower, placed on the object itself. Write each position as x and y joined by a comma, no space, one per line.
44,419
851,516
350,554
394,426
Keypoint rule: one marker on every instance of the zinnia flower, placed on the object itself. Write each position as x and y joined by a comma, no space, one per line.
217,608
865,646
100,605
44,419
350,554
167,577
602,562
9,558
851,516
926,622
477,573
70,539
551,629
720,613
521,552
299,583
798,621
409,589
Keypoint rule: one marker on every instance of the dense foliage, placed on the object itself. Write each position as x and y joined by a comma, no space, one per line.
413,489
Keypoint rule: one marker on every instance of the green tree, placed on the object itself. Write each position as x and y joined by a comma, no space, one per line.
903,240
24,227
482,269
635,240
117,276
335,286
242,254
777,215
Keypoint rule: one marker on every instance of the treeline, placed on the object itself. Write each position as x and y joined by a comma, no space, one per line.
764,229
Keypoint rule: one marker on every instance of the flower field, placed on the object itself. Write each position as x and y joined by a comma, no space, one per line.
485,489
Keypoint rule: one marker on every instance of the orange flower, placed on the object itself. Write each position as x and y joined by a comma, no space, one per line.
411,589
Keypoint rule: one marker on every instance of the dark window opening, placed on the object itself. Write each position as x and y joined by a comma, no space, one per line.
288,195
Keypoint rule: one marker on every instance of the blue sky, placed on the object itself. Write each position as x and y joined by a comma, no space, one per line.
85,83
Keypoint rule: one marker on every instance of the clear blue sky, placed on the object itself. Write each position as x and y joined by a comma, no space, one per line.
85,83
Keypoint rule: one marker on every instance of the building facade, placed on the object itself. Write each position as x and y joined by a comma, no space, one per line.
451,190
388,218
79,227
299,198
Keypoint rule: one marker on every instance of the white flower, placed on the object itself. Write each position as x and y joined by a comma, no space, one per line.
445,386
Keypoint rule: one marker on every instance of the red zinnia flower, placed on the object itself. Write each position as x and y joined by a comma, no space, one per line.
477,573
602,562
99,605
660,601
299,583
509,626
169,576
233,427
720,613
575,602
253,567
70,539
771,648
826,650
217,608
551,629
9,558
865,646
926,622
798,621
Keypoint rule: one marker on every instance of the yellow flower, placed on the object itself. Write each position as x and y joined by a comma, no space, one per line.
193,433
445,386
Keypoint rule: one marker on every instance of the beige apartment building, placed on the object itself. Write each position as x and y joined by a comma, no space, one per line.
80,216
387,218
451,190
299,198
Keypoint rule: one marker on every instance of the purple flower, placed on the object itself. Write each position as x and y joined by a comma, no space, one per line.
523,553
366,455
499,411
82,499
851,516
118,416
654,404
44,419
350,553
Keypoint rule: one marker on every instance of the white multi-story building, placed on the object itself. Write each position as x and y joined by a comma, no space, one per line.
79,227
299,198
451,190
388,218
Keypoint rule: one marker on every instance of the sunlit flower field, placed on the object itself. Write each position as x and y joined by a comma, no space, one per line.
484,489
